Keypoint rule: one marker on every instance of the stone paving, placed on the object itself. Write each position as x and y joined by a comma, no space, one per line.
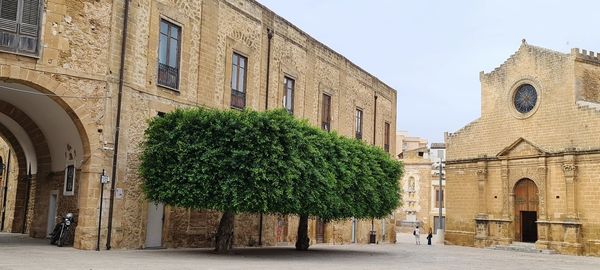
20,252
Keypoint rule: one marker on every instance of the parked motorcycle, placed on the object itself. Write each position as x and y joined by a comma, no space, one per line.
63,231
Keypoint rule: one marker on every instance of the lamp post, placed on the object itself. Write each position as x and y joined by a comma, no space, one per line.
440,230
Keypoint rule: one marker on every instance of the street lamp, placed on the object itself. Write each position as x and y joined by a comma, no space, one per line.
440,230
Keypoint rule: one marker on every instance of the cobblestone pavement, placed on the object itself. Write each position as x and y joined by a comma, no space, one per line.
19,252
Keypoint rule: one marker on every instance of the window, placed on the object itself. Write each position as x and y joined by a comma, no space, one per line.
168,54
326,113
386,139
437,197
358,127
288,89
69,185
20,26
238,81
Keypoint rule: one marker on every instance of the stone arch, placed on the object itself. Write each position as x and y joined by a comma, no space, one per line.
33,131
15,146
526,206
534,174
39,171
73,111
49,85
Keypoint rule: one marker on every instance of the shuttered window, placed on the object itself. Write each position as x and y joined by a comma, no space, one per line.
359,124
288,89
386,139
326,113
20,26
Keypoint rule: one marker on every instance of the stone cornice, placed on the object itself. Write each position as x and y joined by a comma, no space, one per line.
550,154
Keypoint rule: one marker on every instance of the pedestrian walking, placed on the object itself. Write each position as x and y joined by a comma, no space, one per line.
417,235
429,236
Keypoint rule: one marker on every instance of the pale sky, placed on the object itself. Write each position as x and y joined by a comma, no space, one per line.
431,52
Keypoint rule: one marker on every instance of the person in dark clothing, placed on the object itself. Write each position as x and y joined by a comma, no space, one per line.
429,236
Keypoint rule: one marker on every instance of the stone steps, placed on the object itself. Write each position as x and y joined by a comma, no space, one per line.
522,247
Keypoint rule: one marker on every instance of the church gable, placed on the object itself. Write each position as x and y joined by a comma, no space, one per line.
521,148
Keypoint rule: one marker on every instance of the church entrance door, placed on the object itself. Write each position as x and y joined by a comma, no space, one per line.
526,204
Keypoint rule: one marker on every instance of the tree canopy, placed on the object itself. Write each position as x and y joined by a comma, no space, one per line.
264,162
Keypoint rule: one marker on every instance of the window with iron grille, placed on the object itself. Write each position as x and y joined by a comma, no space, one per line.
20,26
168,54
326,112
288,89
359,124
386,139
239,65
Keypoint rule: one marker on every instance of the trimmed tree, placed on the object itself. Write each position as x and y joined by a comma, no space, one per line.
360,181
260,162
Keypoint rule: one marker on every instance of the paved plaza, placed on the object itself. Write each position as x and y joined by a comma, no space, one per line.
19,252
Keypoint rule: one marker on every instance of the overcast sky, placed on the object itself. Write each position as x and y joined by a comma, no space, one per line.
431,52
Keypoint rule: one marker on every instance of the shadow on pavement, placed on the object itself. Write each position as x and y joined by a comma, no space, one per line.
285,253
17,239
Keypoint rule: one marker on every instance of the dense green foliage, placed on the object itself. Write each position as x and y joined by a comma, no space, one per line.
264,162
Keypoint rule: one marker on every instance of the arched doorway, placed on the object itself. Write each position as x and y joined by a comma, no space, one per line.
50,147
526,208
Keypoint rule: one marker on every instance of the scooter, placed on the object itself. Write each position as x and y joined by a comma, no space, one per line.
62,231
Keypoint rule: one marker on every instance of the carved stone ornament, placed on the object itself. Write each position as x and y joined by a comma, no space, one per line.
482,171
569,169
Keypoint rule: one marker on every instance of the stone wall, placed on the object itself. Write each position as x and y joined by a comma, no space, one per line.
212,30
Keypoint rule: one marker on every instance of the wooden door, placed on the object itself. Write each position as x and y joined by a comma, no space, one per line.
282,229
526,205
320,231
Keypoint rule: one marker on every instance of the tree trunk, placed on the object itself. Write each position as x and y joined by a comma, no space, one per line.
224,238
302,243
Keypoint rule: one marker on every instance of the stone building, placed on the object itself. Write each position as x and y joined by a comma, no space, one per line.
414,154
420,184
63,81
527,169
405,143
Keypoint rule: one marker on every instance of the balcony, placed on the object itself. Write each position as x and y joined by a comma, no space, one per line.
168,76
238,99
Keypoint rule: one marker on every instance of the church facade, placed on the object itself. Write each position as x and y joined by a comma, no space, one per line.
528,169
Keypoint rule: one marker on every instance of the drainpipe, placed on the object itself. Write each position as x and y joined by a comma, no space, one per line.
270,37
374,140
5,190
118,124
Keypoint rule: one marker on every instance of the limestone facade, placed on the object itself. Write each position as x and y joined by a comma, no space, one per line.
416,187
420,184
73,78
527,169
